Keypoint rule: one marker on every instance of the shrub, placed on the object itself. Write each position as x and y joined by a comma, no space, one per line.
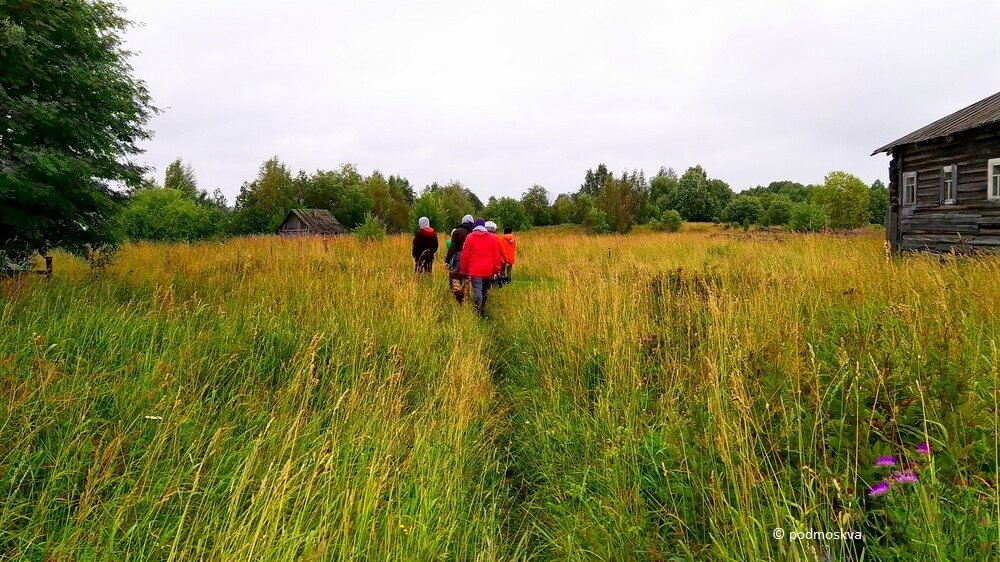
508,212
596,222
779,211
808,218
669,221
166,215
371,229
745,208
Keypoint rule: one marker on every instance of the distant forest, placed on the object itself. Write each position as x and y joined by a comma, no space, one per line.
178,209
75,118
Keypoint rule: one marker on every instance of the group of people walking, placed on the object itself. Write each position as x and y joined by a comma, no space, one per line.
477,257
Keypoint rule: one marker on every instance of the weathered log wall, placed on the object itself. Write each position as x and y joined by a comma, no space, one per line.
973,221
292,226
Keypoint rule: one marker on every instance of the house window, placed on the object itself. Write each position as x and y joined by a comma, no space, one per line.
909,194
993,175
948,183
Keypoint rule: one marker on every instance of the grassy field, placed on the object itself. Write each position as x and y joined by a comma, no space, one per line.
650,397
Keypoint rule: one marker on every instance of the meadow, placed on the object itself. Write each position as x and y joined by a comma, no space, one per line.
646,397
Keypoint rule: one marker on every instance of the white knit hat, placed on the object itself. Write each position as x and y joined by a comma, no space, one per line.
491,226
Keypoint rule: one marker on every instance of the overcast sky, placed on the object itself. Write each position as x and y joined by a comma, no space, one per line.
505,94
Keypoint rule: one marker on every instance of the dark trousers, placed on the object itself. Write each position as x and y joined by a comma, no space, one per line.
480,289
424,265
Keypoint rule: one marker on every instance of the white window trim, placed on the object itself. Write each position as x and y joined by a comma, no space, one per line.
990,165
952,171
902,188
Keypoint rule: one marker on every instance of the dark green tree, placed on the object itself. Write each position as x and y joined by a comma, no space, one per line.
808,218
721,195
878,202
507,211
696,198
621,200
596,222
743,209
845,199
584,204
563,210
400,189
168,215
263,203
671,220
794,191
593,181
180,176
536,203
393,212
455,188
72,116
427,206
342,192
663,189
778,211
218,200
454,201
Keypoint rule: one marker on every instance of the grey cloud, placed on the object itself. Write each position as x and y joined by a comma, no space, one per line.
507,94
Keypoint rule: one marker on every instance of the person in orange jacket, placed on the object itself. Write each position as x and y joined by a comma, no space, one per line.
481,261
508,252
501,243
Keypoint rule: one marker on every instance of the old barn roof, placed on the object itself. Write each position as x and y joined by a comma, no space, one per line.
978,114
318,221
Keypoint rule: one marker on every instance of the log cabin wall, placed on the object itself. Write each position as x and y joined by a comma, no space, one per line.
292,226
892,220
972,221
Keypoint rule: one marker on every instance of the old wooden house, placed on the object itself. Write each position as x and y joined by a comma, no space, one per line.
944,183
310,222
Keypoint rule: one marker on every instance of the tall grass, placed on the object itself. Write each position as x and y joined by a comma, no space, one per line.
656,396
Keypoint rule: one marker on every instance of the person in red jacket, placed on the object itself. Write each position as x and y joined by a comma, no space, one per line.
481,261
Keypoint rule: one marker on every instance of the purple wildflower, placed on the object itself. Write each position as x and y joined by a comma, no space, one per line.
924,449
906,477
879,489
886,461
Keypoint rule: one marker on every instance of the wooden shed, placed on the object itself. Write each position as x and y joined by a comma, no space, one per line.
944,183
310,222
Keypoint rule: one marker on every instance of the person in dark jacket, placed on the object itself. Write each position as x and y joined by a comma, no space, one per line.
425,245
457,241
460,285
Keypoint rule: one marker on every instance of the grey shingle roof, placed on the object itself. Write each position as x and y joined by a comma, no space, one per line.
981,113
319,221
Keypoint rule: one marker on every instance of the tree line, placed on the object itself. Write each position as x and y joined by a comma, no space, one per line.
604,203
75,115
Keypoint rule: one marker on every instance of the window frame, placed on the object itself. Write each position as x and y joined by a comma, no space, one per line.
992,169
902,189
949,174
